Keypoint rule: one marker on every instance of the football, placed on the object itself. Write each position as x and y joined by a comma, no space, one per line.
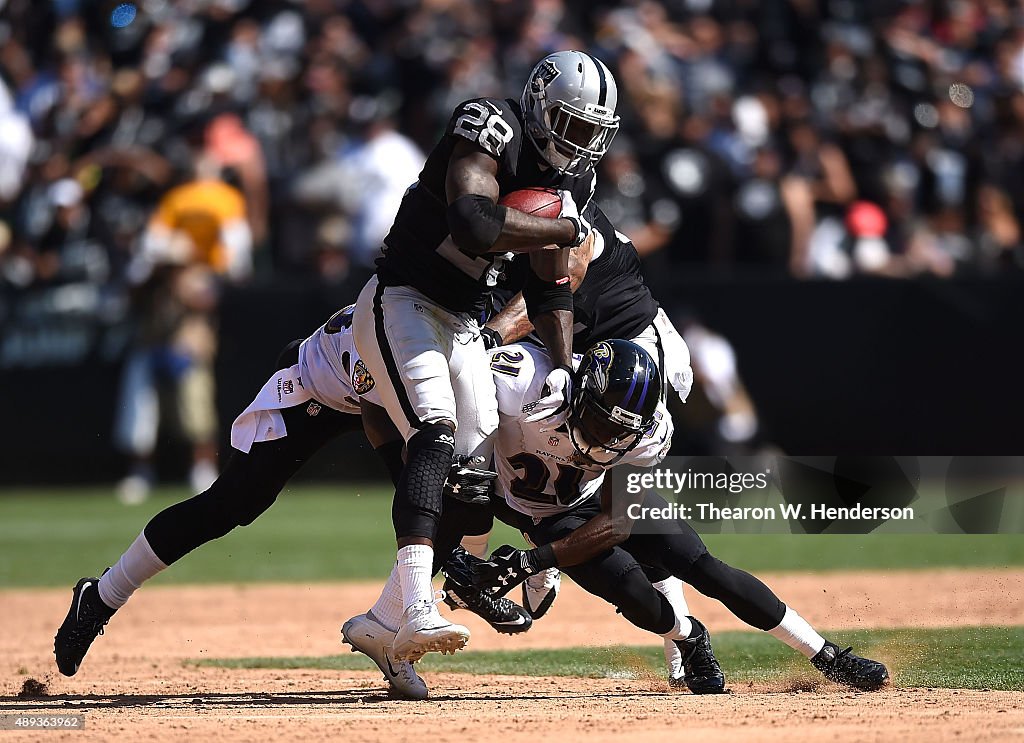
540,202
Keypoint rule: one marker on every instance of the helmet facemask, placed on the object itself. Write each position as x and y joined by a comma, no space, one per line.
575,140
602,437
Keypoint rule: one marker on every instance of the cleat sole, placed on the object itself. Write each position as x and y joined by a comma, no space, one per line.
444,645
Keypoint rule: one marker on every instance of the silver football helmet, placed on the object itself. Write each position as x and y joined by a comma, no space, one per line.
569,105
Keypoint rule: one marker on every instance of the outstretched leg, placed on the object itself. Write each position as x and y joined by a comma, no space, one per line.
248,486
619,579
677,548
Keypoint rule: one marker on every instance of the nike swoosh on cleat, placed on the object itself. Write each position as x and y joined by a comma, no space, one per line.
519,620
391,669
81,595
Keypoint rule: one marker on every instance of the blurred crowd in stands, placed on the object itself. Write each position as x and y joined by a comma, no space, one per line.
153,152
816,138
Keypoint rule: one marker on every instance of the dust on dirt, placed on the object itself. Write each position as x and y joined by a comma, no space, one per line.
135,683
33,689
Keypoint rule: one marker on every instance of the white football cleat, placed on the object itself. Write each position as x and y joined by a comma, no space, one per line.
373,639
424,630
540,591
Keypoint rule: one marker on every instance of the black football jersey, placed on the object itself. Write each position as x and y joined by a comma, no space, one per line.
612,301
420,252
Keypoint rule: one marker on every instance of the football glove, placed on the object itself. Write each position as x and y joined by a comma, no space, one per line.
571,212
552,408
468,482
507,567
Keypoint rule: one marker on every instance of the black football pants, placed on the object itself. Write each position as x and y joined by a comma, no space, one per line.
623,575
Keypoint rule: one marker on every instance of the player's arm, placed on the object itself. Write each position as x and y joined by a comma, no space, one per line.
508,565
512,323
477,223
549,304
609,528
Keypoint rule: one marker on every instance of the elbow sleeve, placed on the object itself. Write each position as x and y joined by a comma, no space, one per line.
475,223
546,296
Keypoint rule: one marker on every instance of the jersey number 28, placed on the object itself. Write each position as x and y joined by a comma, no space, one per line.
484,126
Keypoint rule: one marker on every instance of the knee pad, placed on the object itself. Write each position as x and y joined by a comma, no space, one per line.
418,499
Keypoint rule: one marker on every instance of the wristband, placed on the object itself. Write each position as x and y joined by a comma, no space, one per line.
542,558
578,235
546,296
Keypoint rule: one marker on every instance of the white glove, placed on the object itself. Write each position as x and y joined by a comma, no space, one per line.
553,406
571,212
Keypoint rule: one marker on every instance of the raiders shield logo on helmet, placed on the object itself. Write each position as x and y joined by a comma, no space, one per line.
544,74
362,380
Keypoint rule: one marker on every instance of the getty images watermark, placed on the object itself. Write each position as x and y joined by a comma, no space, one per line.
665,480
825,495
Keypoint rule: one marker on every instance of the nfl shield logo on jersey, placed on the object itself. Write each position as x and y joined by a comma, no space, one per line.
362,381
553,441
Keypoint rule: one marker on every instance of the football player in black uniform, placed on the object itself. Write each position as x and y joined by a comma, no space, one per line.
416,322
610,300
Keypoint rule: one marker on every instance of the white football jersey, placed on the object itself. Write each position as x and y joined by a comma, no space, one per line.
539,472
331,368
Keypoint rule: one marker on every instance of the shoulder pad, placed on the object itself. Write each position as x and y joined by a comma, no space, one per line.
487,122
514,369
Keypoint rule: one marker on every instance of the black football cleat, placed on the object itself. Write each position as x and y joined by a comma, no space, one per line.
85,620
701,672
844,667
503,614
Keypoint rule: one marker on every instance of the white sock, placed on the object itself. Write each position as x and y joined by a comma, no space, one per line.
681,629
137,565
798,634
476,545
672,589
414,564
388,609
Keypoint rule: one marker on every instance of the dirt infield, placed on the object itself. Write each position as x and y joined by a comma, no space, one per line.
134,682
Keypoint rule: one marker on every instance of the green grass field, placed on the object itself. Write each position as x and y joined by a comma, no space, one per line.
52,537
941,658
